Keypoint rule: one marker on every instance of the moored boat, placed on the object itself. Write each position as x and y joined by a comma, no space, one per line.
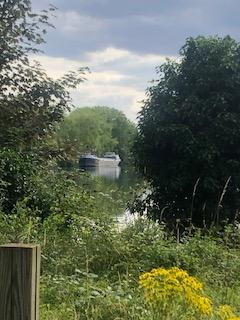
110,159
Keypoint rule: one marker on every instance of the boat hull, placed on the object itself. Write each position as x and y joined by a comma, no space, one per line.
98,162
88,162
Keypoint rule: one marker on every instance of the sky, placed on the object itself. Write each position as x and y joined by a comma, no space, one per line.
123,41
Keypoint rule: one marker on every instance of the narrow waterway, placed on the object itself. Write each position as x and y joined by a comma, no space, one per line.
124,180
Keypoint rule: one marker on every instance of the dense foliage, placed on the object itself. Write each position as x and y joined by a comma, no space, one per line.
188,145
31,103
91,269
96,129
90,262
15,171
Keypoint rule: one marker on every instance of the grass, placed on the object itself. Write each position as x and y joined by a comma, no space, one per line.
90,269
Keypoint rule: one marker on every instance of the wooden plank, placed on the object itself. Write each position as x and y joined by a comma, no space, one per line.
5,283
37,281
19,282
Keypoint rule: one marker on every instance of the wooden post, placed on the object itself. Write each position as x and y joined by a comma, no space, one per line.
19,282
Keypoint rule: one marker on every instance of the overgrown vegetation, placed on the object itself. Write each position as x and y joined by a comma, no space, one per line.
97,130
188,142
90,265
91,269
31,103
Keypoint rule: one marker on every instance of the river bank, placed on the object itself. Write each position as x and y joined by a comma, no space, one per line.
91,268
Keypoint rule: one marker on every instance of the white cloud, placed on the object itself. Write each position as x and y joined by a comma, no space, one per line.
111,54
106,77
73,22
118,77
116,96
107,55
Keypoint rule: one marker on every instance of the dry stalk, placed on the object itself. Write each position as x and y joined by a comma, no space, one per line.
193,197
221,199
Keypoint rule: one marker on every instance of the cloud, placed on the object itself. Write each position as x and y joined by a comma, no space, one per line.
126,99
107,55
71,22
123,41
141,26
118,77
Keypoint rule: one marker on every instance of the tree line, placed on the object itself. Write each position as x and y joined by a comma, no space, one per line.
187,143
96,130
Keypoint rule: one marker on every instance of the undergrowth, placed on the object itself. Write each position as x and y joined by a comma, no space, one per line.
91,269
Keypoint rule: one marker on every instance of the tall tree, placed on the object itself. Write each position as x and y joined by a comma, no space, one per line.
30,102
96,129
188,144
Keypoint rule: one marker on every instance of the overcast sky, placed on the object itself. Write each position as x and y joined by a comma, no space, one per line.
123,41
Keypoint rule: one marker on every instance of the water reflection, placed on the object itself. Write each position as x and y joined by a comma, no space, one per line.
122,180
110,173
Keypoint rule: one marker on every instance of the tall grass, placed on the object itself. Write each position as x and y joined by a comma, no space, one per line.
90,269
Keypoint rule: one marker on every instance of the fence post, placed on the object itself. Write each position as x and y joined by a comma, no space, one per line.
19,282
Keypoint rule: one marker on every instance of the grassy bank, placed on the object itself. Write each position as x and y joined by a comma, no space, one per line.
90,269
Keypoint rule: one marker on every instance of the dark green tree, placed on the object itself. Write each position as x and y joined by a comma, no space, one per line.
31,103
96,129
188,145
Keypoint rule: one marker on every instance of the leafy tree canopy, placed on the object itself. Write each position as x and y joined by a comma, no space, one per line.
31,103
189,134
96,129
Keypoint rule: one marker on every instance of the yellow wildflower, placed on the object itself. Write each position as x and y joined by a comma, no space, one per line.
162,286
226,312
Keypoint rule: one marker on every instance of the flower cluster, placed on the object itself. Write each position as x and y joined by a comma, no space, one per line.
162,286
226,313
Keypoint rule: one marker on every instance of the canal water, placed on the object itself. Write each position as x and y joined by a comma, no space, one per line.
108,173
123,179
